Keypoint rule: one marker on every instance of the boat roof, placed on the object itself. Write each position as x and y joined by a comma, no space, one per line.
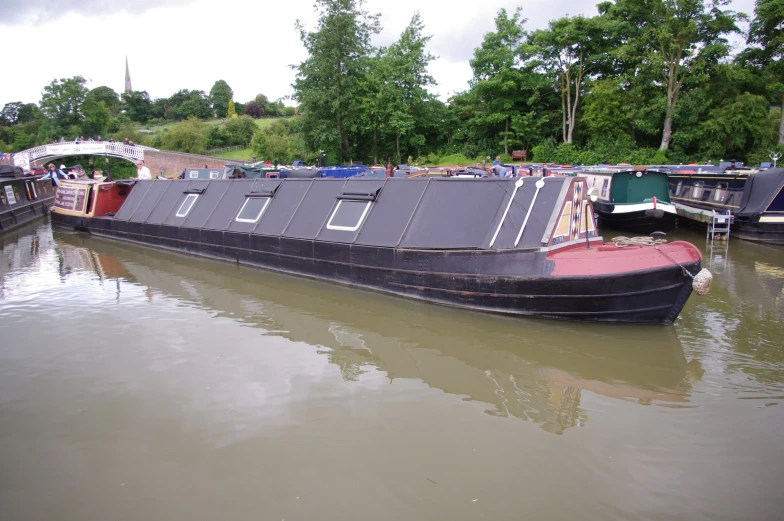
426,213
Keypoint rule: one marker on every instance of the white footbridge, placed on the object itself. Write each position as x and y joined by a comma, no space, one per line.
42,154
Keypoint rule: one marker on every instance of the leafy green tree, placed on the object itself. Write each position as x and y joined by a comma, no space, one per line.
28,112
218,137
241,130
96,117
767,31
328,81
189,135
197,107
676,39
109,97
61,103
138,106
220,95
568,50
408,80
507,91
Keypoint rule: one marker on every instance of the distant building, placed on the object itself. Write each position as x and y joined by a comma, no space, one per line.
128,87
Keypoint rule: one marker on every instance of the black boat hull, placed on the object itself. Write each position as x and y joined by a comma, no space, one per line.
771,233
646,296
636,222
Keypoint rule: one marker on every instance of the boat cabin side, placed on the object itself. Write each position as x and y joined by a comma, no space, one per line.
628,186
91,198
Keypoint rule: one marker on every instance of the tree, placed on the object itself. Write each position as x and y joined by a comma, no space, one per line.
232,113
61,103
568,50
186,136
328,81
767,31
408,80
138,106
253,110
10,113
676,39
96,117
109,97
278,142
28,112
507,91
220,95
197,107
241,130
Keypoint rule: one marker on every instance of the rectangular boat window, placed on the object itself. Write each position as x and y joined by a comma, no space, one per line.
193,174
699,188
679,187
213,174
721,191
252,209
348,215
605,184
187,204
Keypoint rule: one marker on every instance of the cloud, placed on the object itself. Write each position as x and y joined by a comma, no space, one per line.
38,11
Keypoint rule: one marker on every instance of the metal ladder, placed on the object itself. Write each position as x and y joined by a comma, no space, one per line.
718,222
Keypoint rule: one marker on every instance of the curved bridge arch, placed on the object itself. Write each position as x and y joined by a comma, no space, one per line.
44,153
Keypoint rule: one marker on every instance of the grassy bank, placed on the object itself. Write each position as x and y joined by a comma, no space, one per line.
157,129
244,154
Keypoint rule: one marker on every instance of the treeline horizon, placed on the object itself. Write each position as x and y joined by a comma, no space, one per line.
642,81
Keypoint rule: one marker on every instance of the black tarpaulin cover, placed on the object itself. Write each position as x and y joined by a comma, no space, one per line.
464,213
10,171
760,190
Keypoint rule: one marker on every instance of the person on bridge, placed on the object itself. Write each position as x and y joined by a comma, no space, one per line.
142,172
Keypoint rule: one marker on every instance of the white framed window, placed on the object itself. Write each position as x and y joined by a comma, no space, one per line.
699,188
193,174
187,204
348,215
214,174
721,190
679,187
252,209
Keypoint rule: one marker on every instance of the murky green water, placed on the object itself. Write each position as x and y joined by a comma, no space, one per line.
136,384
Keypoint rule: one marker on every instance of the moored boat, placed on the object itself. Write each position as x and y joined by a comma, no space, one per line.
518,247
22,198
632,199
752,199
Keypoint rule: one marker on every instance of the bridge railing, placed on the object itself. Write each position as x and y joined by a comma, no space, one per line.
71,148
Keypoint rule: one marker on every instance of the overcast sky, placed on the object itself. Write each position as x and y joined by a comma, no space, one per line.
178,44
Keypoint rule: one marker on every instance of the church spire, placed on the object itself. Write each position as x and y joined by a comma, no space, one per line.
128,87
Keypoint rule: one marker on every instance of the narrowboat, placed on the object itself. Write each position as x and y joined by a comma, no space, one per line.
517,247
752,199
631,199
22,198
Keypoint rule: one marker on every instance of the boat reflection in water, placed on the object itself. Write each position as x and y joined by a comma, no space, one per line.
528,369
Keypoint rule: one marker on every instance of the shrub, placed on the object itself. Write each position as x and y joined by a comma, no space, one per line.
186,136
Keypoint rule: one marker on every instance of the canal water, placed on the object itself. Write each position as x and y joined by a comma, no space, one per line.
138,384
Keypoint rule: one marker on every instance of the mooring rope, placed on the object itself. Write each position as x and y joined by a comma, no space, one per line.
700,283
622,242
